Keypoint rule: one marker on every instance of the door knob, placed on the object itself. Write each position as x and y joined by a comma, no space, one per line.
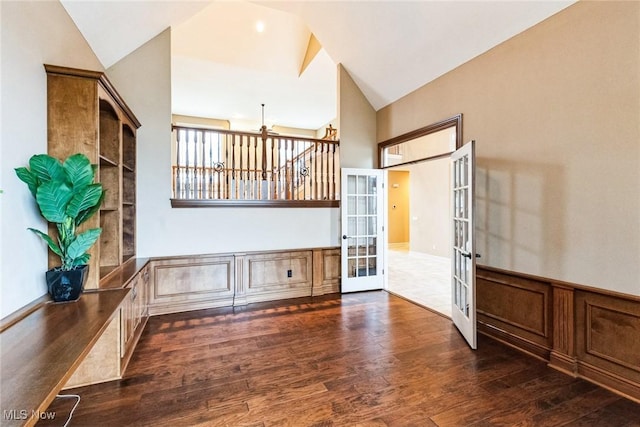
344,237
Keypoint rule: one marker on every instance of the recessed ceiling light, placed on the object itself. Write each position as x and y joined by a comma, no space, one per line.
259,26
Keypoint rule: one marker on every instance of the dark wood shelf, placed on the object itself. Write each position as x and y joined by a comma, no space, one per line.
106,269
104,161
128,167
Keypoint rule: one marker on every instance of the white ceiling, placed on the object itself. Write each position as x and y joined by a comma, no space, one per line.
223,68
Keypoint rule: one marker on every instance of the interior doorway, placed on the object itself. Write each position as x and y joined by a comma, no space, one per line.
420,238
419,263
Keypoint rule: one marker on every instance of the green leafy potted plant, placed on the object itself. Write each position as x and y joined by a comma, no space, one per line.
67,196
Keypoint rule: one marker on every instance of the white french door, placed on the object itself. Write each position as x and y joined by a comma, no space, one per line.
362,214
463,257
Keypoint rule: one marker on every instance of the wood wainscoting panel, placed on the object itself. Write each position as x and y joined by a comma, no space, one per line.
516,310
326,271
608,350
579,330
278,275
562,355
191,283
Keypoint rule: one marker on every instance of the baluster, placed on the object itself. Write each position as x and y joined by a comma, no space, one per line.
298,177
199,170
214,171
225,167
326,173
287,169
178,191
321,171
239,184
188,164
207,177
234,183
196,182
333,172
212,177
303,178
200,182
295,170
201,164
249,169
315,171
248,181
177,185
279,172
255,195
173,182
272,185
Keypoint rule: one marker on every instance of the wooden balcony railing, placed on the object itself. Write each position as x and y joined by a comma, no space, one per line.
231,168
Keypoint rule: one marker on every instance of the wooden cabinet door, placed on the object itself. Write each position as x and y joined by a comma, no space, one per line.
130,317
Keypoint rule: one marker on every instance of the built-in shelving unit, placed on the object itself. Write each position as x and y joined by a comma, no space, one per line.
87,115
128,193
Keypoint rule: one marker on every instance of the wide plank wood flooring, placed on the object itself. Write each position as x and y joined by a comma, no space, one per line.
365,359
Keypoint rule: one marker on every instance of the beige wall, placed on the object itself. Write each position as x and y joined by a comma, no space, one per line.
555,113
430,207
33,33
356,125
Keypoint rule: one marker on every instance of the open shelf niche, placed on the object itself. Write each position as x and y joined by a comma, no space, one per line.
128,193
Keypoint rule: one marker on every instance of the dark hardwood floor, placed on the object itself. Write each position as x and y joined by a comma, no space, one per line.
369,359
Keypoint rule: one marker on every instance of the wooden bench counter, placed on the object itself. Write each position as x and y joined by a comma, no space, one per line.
41,351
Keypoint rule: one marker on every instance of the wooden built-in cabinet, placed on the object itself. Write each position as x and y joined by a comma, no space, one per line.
85,114
191,283
221,280
110,356
134,315
277,275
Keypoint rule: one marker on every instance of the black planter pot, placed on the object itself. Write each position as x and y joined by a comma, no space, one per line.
66,285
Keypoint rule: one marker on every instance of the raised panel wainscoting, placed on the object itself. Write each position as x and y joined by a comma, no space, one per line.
221,280
585,332
191,283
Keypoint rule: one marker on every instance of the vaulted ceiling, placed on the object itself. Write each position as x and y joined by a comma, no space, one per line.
223,67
